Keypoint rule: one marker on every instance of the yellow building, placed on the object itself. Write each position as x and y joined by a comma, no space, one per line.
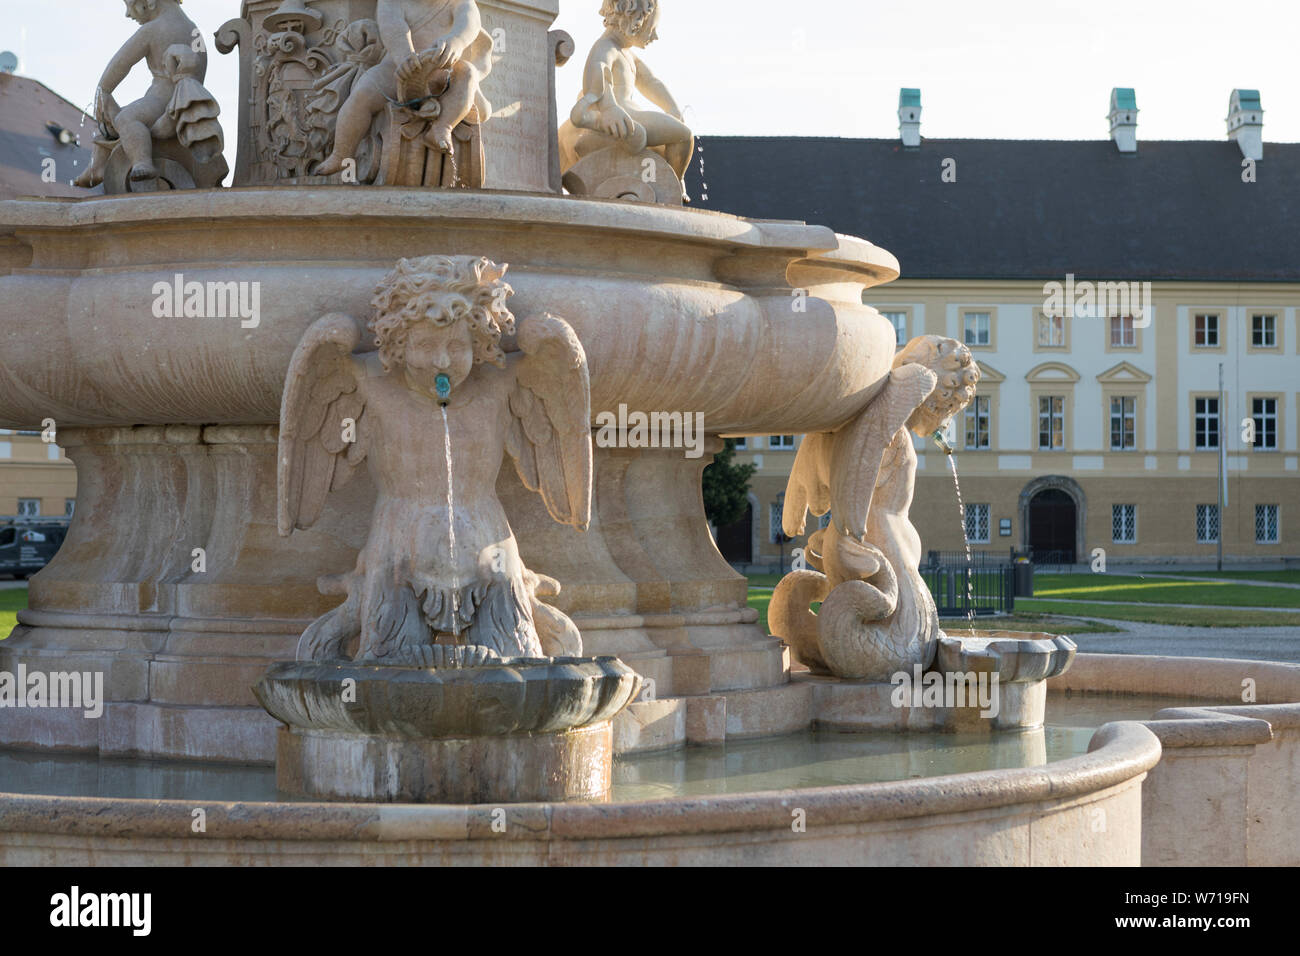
1101,286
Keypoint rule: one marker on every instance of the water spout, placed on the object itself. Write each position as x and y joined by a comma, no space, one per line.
939,439
443,384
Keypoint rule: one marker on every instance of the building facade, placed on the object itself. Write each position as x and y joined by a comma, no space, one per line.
1103,286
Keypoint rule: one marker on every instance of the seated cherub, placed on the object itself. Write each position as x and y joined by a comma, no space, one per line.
431,415
608,112
163,25
421,37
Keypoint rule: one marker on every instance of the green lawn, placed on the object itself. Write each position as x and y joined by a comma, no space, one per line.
1155,614
11,602
1136,589
1278,577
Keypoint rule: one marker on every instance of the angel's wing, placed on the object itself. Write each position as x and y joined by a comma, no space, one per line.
550,428
321,396
859,448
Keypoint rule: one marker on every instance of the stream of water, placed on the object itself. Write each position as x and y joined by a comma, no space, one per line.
965,537
451,527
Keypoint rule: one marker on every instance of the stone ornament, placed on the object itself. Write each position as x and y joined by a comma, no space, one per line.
428,84
287,66
611,147
877,615
430,415
170,138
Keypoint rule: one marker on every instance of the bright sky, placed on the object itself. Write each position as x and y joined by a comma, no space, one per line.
1015,69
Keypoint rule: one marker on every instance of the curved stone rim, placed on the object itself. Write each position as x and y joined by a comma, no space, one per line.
1122,752
492,699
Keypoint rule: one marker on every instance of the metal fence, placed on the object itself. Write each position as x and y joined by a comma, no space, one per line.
980,559
992,588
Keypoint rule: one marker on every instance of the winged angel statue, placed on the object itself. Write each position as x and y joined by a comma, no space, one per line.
430,414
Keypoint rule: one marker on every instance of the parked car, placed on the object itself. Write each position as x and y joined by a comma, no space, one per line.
28,544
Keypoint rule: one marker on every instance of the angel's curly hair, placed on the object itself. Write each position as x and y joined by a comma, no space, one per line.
443,290
958,372
630,16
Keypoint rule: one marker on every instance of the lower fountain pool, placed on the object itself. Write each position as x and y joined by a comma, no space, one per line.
796,761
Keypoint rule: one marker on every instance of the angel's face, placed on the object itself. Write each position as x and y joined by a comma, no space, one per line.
433,350
141,11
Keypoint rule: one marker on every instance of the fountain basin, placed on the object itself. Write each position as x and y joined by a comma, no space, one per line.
758,326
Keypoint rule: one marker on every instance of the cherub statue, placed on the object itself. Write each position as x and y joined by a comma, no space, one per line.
608,114
422,38
877,615
163,25
430,415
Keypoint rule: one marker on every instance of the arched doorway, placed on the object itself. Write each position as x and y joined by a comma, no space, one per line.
1053,513
1053,519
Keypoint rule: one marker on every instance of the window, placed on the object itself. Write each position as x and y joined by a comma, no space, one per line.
1263,331
69,506
780,441
1266,524
1123,424
979,328
7,537
1051,422
742,444
977,423
1207,423
1051,331
29,507
775,533
1264,411
1123,334
1207,524
1207,332
977,524
1124,524
899,321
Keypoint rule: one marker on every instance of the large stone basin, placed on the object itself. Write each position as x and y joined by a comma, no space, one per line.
759,326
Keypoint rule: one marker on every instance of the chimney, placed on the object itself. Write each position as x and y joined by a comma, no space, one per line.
1124,119
909,117
1246,123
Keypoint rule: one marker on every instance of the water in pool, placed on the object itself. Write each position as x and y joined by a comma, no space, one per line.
808,759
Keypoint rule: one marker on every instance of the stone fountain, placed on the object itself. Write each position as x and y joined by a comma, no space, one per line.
289,402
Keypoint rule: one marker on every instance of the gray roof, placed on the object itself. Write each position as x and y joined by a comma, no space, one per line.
1027,209
26,106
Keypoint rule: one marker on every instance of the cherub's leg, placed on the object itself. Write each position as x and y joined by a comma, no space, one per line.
368,98
134,127
672,135
456,103
94,174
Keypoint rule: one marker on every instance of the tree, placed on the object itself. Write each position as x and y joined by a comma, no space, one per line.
726,487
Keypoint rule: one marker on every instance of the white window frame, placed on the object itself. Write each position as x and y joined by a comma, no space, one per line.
973,418
1261,419
1051,331
983,321
1210,324
1207,416
775,514
1127,415
781,442
29,507
1052,415
1127,329
1268,331
978,515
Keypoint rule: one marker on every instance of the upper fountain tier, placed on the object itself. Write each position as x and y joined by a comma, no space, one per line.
300,62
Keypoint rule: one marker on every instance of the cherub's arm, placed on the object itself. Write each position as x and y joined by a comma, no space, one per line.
466,25
133,51
599,109
653,89
393,29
